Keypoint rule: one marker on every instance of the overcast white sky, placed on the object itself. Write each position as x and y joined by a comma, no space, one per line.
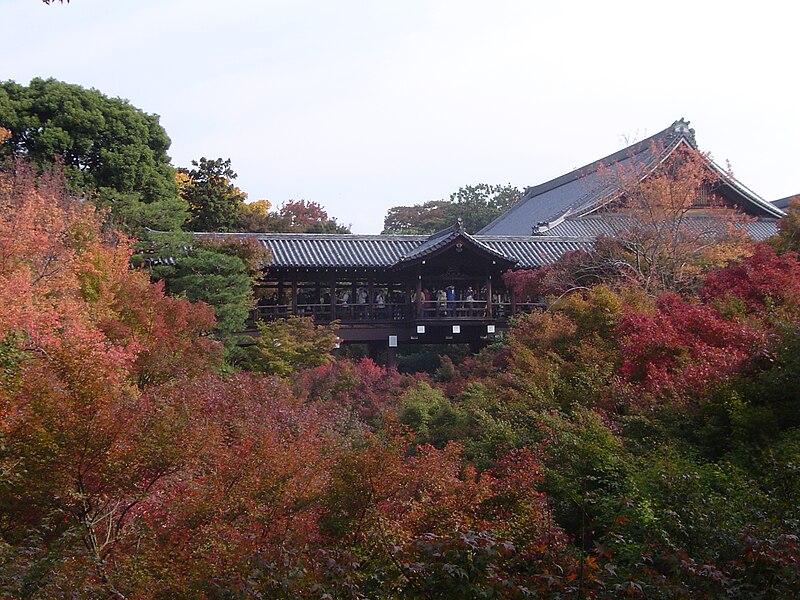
366,105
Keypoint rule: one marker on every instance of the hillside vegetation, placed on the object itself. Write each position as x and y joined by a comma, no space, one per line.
620,444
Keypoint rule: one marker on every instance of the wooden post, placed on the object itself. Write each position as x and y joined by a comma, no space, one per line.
353,306
294,294
371,297
420,298
333,295
489,296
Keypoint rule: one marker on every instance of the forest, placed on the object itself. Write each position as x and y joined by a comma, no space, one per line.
639,438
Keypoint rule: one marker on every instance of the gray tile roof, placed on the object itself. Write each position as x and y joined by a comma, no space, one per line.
442,238
352,251
593,185
531,252
783,203
610,224
338,250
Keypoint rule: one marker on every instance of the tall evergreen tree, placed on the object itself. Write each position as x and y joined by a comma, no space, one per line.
112,152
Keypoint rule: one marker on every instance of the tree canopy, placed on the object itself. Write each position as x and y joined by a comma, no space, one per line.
476,206
215,203
303,216
626,442
112,151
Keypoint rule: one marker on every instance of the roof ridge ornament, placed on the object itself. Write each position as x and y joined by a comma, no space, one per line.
540,227
681,128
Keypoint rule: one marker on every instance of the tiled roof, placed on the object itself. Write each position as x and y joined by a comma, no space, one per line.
591,186
783,203
327,250
347,251
548,201
442,238
533,252
609,224
342,250
434,242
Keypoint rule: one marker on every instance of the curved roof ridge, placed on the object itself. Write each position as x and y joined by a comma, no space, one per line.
559,196
442,238
671,134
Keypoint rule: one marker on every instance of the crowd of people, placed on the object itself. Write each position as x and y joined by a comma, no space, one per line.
446,301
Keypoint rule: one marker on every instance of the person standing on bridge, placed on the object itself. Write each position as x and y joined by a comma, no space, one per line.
451,299
441,303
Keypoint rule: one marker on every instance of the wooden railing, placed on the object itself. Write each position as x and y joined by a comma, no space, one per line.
432,310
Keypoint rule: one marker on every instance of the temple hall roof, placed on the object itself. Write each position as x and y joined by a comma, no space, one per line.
590,187
354,251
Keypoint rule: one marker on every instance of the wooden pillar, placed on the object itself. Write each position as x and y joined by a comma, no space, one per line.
513,301
353,306
294,294
371,297
407,300
333,295
489,296
420,298
391,360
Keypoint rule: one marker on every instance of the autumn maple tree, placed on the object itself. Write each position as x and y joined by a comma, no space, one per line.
81,447
671,222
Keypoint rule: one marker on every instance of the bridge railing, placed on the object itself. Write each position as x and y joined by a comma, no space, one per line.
399,311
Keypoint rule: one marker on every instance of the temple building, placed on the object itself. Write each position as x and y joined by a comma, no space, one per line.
390,290
577,203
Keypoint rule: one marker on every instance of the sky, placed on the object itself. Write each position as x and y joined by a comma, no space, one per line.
362,106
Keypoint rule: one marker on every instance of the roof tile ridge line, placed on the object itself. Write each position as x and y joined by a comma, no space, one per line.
664,154
432,240
332,236
588,169
543,227
435,239
482,245
648,169
438,244
542,239
607,197
450,229
585,170
731,180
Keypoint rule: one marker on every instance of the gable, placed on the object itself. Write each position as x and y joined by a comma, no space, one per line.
458,247
591,187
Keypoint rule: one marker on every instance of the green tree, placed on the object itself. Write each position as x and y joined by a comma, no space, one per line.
285,346
255,216
111,150
215,203
207,271
476,206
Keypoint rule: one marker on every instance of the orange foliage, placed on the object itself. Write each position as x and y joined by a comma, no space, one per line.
79,329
